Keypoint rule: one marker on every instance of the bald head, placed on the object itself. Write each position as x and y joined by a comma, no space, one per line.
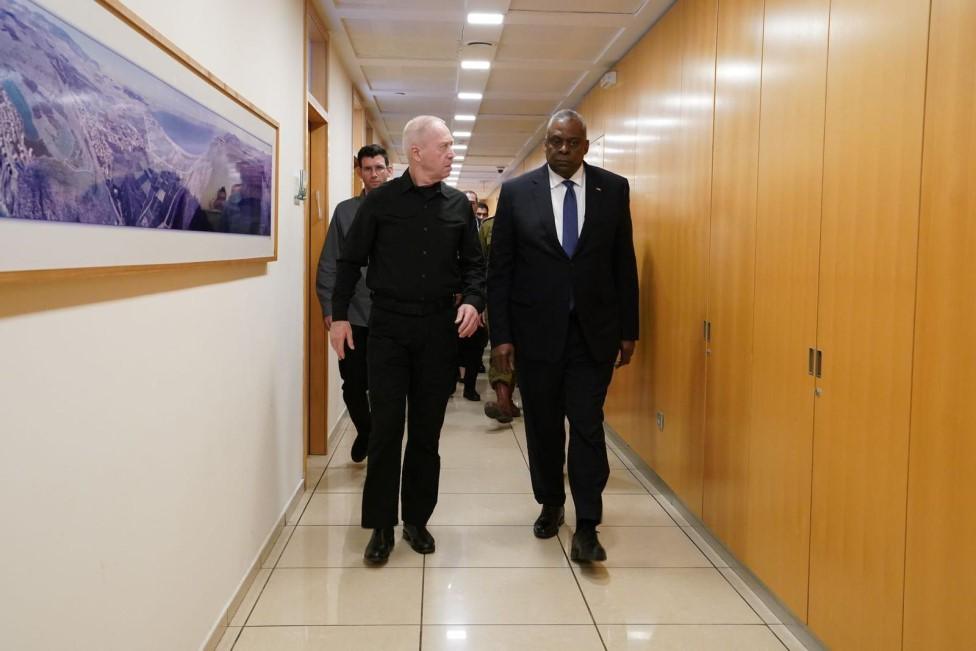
428,146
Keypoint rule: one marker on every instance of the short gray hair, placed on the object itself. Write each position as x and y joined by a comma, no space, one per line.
566,114
417,128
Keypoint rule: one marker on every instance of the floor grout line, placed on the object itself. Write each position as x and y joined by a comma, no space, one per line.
579,587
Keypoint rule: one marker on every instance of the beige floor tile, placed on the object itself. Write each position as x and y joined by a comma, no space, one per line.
333,508
507,458
484,480
330,638
787,638
493,547
251,598
343,479
454,439
706,549
645,547
340,546
279,547
228,639
672,511
621,482
340,596
485,509
502,596
690,638
751,597
627,511
510,638
662,596
299,508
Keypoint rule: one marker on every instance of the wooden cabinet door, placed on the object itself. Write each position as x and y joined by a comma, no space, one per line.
872,163
787,250
731,270
940,577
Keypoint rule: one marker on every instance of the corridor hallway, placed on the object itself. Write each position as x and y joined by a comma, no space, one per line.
491,585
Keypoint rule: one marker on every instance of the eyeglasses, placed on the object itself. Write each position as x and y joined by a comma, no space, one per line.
556,142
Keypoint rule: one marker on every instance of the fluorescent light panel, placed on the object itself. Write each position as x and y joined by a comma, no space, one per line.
462,134
479,18
464,117
476,64
460,146
470,95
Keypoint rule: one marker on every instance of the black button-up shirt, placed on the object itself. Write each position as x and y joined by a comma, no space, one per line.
420,244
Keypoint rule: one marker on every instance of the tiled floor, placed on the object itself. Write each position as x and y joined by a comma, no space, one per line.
492,585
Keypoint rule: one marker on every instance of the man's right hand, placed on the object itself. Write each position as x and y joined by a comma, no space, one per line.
503,356
340,335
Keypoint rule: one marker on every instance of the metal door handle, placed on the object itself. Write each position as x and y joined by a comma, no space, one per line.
811,357
819,363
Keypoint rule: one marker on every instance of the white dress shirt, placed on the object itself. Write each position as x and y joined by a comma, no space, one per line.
558,191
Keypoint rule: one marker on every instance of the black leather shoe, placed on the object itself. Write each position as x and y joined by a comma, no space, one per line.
548,522
380,545
419,538
360,447
472,395
586,546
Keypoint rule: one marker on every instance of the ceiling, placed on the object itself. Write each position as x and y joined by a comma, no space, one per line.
404,57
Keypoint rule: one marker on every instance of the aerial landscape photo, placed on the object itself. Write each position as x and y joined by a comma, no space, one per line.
88,137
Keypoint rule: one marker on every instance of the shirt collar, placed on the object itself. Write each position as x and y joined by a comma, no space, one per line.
555,180
406,183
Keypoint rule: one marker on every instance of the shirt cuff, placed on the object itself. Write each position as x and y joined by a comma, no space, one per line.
475,301
340,311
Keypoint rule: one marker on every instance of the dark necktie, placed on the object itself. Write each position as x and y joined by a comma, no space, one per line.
570,220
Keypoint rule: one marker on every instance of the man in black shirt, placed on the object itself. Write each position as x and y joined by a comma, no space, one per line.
420,242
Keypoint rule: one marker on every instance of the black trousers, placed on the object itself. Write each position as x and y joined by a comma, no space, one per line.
472,351
355,381
412,366
573,388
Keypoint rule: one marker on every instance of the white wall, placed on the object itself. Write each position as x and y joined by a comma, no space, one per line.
151,424
340,189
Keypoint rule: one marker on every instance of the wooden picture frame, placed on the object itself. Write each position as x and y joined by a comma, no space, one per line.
115,146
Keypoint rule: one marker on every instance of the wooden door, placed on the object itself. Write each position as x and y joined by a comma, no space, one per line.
872,167
731,270
940,576
785,310
318,216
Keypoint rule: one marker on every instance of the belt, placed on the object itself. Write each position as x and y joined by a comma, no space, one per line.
413,308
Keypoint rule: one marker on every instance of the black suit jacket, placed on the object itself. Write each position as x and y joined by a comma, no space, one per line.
531,280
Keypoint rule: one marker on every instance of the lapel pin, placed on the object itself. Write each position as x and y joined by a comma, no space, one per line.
599,189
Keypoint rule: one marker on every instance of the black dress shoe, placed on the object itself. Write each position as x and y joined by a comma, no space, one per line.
360,447
547,524
419,538
380,545
586,546
472,395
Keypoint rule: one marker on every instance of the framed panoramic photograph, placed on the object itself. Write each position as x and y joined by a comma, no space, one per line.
118,151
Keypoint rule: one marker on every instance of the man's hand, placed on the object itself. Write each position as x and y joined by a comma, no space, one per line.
340,335
328,323
469,318
503,357
626,352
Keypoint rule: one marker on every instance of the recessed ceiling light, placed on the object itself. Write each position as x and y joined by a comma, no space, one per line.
476,18
470,95
464,117
462,134
476,64
459,158
460,146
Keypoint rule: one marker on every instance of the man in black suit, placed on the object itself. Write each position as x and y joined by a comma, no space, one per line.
563,299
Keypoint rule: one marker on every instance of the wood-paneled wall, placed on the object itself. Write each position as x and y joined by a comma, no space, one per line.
801,180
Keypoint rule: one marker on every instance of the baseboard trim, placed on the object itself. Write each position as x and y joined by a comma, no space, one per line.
245,585
786,618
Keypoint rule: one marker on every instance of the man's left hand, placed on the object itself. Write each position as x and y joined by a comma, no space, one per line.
626,352
468,318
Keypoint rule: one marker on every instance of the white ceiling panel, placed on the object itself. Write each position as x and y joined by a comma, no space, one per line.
487,125
445,5
515,80
404,39
554,42
522,106
496,144
407,78
443,107
578,6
